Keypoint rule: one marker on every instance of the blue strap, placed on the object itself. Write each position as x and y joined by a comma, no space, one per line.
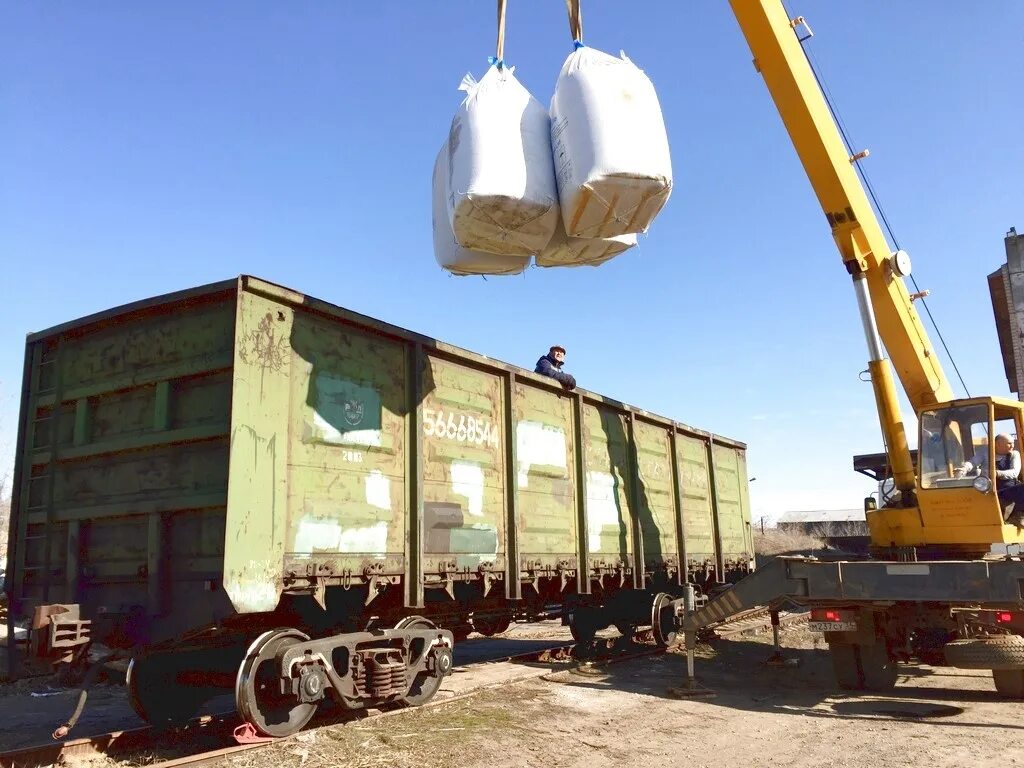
576,45
494,61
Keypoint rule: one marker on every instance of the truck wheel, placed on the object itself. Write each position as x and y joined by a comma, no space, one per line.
1000,652
877,669
1009,682
845,667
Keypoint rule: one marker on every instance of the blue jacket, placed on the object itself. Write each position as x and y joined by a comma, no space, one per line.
548,366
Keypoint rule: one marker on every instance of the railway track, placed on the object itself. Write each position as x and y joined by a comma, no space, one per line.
210,739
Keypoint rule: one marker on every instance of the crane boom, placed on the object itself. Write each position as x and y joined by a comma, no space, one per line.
937,506
780,59
885,303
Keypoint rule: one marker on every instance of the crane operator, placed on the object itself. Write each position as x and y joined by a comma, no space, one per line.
1006,476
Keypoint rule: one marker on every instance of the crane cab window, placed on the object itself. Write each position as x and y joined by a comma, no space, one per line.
949,438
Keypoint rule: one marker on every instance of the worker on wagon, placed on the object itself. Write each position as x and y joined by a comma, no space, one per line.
551,365
1006,475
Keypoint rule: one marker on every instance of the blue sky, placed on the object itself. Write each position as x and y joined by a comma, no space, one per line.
148,147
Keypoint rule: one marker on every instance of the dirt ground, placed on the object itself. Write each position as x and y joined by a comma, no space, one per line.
32,707
624,715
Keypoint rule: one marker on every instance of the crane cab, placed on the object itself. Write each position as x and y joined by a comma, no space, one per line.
961,503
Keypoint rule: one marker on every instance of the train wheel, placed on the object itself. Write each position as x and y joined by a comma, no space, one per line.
155,693
425,685
258,692
662,620
414,622
489,626
626,630
583,625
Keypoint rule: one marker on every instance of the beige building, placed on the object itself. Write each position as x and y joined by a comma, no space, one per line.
1006,285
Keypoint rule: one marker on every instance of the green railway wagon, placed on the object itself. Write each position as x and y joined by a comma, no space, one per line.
196,469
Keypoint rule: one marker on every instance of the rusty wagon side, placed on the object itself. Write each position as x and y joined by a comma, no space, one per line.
240,454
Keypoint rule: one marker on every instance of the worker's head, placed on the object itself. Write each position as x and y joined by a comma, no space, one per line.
1004,444
557,353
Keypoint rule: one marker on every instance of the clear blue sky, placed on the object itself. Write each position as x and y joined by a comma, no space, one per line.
153,146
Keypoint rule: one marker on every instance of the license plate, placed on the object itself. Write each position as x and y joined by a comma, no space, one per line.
832,626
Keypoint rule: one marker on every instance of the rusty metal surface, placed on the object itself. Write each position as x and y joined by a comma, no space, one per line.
698,511
108,502
186,460
731,489
546,479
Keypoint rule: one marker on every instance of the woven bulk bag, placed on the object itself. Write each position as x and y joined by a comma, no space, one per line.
565,251
449,254
610,147
502,196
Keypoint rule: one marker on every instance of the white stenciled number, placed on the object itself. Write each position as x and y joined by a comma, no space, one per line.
459,427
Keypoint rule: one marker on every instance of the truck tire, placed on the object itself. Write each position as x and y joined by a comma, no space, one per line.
1009,682
877,669
863,667
845,667
1000,652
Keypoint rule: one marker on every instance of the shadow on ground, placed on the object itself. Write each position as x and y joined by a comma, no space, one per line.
740,680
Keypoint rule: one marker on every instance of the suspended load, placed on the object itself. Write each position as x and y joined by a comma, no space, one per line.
449,254
502,196
565,251
610,145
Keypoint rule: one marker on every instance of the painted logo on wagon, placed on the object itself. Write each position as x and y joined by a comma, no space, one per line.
354,411
345,412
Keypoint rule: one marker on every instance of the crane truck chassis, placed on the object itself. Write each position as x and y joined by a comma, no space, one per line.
876,614
930,592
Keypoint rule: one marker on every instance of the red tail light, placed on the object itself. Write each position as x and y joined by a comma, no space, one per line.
823,614
1004,617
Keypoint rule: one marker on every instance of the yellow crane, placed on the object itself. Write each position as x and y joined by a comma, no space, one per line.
937,508
928,593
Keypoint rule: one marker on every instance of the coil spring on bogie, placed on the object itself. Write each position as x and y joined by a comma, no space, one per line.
386,674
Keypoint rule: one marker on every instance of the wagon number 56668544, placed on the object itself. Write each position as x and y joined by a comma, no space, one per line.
458,427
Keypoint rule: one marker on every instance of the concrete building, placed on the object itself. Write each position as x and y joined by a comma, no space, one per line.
1006,285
